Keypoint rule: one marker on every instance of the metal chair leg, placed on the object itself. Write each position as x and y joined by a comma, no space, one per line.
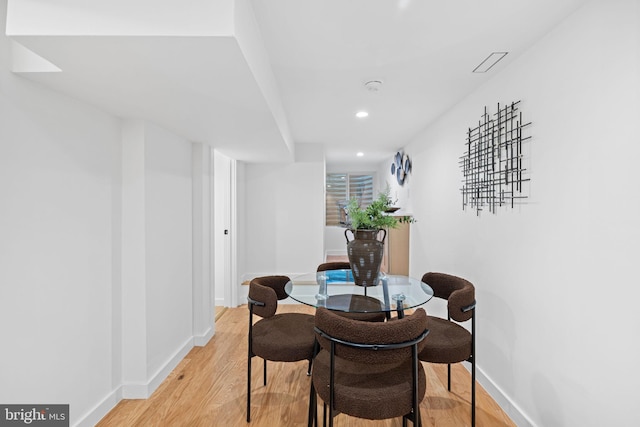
249,356
473,393
473,369
265,371
249,389
324,414
313,408
316,350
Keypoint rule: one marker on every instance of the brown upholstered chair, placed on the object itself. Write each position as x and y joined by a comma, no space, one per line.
285,337
361,301
368,370
448,341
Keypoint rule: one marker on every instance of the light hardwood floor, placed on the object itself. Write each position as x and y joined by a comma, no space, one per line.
208,388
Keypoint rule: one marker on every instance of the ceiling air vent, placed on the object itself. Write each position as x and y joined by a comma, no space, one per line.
489,62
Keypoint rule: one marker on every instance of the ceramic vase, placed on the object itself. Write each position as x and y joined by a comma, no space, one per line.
365,254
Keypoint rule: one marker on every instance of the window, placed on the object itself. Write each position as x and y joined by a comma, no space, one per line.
341,187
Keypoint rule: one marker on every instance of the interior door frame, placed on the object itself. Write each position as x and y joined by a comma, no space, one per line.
224,226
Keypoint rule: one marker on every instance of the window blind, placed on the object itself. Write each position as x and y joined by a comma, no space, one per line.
340,188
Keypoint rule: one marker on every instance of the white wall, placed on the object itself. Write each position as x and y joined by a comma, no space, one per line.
96,265
555,278
159,323
203,270
58,180
168,246
284,217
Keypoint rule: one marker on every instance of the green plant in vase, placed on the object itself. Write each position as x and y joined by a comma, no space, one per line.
373,217
365,251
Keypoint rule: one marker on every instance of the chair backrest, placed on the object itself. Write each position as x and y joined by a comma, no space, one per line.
276,283
267,290
373,336
459,293
336,265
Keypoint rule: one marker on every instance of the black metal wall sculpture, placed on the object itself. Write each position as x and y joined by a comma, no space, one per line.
492,166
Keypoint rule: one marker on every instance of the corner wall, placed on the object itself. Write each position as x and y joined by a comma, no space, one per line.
283,215
59,176
169,258
555,277
96,264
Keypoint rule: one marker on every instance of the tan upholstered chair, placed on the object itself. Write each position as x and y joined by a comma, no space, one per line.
448,341
368,370
361,301
286,337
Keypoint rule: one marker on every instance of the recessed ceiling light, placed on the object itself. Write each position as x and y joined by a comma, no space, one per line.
489,62
361,114
359,154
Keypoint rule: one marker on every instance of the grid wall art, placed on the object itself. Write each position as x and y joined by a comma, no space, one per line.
493,163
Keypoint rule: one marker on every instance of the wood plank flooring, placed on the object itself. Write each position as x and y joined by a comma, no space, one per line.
208,388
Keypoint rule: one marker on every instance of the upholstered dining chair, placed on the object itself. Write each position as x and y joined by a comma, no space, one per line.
362,301
368,370
284,337
449,342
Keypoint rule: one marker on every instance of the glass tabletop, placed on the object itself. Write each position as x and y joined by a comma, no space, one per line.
336,290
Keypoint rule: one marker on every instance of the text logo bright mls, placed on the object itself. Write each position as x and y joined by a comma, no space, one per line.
34,415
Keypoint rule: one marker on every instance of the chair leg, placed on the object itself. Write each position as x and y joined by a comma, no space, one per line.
473,369
449,376
316,350
249,389
324,414
473,391
249,383
415,419
313,408
265,371
249,357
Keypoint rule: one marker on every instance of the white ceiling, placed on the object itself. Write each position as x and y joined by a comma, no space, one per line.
294,74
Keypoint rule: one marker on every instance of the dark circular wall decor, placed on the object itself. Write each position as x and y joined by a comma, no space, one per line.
401,167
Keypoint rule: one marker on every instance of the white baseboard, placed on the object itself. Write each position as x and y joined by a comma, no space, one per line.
508,406
144,390
202,340
335,253
141,390
100,410
243,293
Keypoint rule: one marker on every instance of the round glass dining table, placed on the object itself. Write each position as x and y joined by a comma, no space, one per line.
336,290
